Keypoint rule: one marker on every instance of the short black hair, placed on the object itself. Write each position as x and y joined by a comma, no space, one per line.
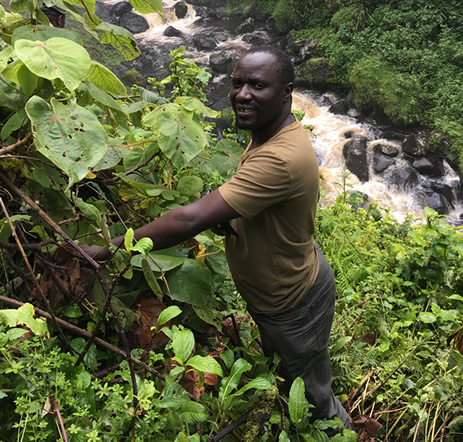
283,62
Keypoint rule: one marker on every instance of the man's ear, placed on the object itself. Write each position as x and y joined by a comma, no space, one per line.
288,91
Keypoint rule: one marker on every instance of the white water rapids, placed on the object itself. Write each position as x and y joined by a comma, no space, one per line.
328,128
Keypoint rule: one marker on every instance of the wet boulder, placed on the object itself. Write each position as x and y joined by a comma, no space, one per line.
382,162
134,23
386,149
341,107
121,8
383,157
355,154
250,25
172,31
414,145
403,177
431,165
204,43
104,11
442,189
221,63
439,203
180,9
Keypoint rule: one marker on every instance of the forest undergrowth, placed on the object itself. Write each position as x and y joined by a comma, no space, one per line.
158,345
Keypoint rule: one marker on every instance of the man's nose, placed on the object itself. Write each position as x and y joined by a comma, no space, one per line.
244,92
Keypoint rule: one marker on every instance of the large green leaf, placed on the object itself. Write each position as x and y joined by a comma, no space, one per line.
43,33
88,5
147,6
104,79
191,283
68,135
231,382
100,96
181,138
257,384
21,75
55,58
205,364
159,262
119,38
183,343
227,154
192,412
190,185
194,105
297,400
112,156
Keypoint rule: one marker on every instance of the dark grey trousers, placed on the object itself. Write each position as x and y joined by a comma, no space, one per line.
301,336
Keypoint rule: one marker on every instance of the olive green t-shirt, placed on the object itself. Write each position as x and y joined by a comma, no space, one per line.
273,259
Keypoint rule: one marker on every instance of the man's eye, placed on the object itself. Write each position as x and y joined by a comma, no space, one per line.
258,86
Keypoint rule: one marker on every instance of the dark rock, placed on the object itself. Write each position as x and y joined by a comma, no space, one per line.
341,107
180,9
386,149
431,165
222,63
203,43
171,31
381,162
404,177
103,11
134,23
257,39
438,203
355,154
326,101
414,145
442,189
250,25
221,36
314,73
119,9
349,134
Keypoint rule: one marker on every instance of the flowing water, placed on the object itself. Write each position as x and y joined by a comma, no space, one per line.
328,129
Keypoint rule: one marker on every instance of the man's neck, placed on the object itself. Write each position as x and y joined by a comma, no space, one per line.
260,138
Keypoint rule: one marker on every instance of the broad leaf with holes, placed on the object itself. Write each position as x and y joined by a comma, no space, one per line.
68,135
55,58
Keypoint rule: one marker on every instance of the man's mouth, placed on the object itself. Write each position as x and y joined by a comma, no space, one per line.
244,110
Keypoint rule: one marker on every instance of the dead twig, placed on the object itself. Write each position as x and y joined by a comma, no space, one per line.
11,147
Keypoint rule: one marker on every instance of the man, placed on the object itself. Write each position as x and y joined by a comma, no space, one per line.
271,204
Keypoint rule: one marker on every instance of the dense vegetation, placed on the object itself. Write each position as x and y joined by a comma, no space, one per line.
403,58
158,345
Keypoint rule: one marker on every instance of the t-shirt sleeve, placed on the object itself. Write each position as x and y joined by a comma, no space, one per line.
261,181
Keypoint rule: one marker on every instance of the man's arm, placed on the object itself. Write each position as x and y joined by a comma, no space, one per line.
177,225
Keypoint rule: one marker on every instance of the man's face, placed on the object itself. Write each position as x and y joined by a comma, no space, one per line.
258,94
